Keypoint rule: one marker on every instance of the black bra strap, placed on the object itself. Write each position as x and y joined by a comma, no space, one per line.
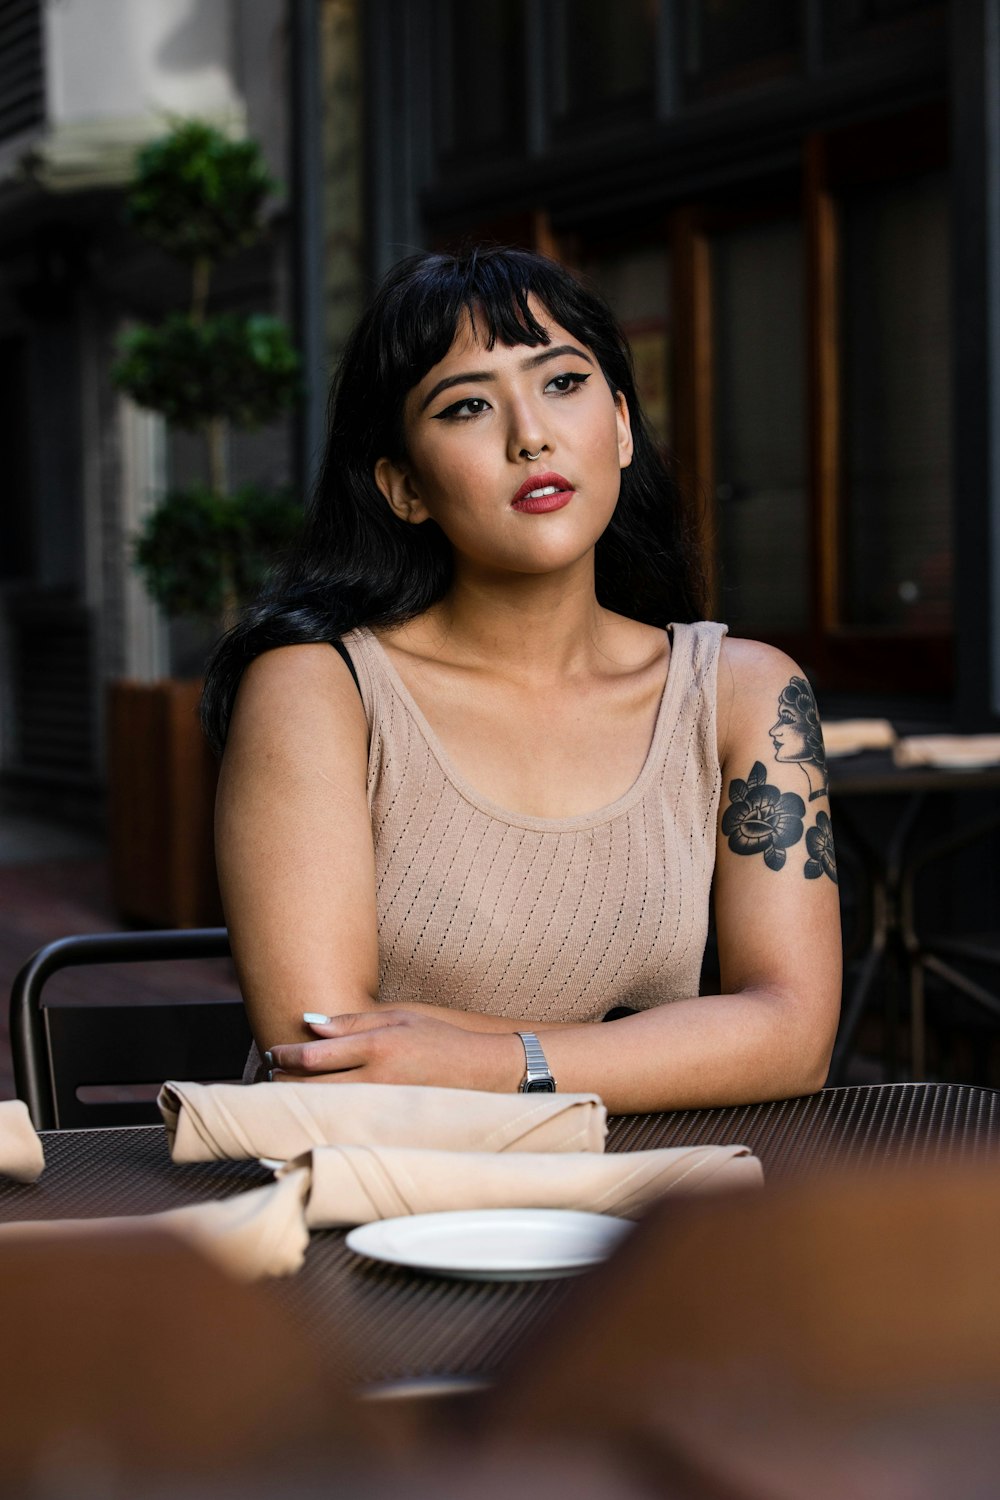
342,650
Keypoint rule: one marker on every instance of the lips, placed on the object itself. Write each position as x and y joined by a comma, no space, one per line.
543,492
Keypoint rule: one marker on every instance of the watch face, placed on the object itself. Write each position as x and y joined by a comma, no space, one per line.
540,1086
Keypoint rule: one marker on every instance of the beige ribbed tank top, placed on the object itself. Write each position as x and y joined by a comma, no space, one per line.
483,909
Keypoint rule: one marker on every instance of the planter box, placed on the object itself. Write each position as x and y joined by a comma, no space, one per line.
161,797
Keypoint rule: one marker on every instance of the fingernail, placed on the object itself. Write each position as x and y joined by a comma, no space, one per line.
268,1060
270,1076
313,1018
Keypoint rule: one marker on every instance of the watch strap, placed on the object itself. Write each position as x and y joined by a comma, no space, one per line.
537,1076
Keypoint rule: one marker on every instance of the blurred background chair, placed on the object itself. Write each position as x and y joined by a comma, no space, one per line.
64,1054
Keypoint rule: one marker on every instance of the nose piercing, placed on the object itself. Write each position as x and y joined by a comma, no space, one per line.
533,455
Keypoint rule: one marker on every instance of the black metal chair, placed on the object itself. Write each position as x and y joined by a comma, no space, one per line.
59,1050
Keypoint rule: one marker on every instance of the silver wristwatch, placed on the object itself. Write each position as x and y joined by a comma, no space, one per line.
537,1078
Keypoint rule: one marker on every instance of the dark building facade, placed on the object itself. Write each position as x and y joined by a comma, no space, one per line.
793,208
84,84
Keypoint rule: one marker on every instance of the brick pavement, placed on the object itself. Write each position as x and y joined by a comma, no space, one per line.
59,896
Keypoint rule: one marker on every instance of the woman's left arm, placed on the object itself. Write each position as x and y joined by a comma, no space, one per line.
770,1033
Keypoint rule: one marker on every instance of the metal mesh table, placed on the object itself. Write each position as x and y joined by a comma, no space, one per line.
379,1323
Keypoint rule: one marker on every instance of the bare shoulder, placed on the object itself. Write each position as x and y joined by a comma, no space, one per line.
772,718
752,666
298,692
754,680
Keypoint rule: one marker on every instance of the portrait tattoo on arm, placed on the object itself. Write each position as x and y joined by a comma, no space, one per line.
798,737
762,820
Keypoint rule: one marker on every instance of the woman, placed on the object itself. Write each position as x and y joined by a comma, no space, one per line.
491,816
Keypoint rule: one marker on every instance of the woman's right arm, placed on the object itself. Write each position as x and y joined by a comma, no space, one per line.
294,843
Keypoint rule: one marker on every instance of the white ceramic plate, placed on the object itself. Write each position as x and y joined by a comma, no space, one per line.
493,1244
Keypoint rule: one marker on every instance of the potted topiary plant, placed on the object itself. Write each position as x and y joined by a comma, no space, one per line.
205,549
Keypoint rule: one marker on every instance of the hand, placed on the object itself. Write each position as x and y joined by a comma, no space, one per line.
396,1045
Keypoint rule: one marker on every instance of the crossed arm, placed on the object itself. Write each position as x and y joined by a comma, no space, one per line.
298,875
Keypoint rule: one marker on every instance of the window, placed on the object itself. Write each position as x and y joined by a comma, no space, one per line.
729,44
895,385
851,26
809,335
22,96
16,549
481,105
760,467
606,55
637,285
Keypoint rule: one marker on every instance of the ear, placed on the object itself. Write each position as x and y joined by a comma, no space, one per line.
624,431
396,484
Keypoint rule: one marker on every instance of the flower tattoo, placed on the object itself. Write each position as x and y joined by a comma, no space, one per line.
762,820
822,855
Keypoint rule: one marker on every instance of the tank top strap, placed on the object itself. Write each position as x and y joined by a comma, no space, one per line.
691,733
358,648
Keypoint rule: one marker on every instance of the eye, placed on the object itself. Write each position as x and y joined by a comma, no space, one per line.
461,411
563,385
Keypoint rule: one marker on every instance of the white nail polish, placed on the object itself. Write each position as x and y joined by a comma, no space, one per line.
313,1017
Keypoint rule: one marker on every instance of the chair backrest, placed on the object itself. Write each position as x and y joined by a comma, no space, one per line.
61,1052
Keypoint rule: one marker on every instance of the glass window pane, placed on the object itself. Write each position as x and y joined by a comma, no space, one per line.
759,434
487,71
728,39
896,395
852,24
855,15
18,508
609,51
636,283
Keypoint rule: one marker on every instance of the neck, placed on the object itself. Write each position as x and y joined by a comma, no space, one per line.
531,627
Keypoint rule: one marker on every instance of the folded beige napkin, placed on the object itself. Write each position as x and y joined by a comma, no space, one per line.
356,1184
259,1233
846,736
208,1121
21,1154
948,750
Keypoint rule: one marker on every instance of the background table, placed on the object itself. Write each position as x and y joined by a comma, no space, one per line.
380,1323
895,951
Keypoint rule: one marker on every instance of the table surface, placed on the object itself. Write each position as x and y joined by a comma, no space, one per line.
380,1323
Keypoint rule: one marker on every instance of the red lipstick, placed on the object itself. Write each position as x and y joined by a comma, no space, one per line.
543,492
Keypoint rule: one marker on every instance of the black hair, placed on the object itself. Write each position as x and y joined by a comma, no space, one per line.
357,562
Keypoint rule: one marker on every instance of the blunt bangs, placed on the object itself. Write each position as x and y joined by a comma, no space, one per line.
426,298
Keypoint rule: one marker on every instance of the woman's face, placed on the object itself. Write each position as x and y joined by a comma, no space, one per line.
515,452
789,735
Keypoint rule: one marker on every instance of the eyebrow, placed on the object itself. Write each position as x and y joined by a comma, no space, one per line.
485,375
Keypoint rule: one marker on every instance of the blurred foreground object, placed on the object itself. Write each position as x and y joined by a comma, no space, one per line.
131,1358
825,1339
133,1367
